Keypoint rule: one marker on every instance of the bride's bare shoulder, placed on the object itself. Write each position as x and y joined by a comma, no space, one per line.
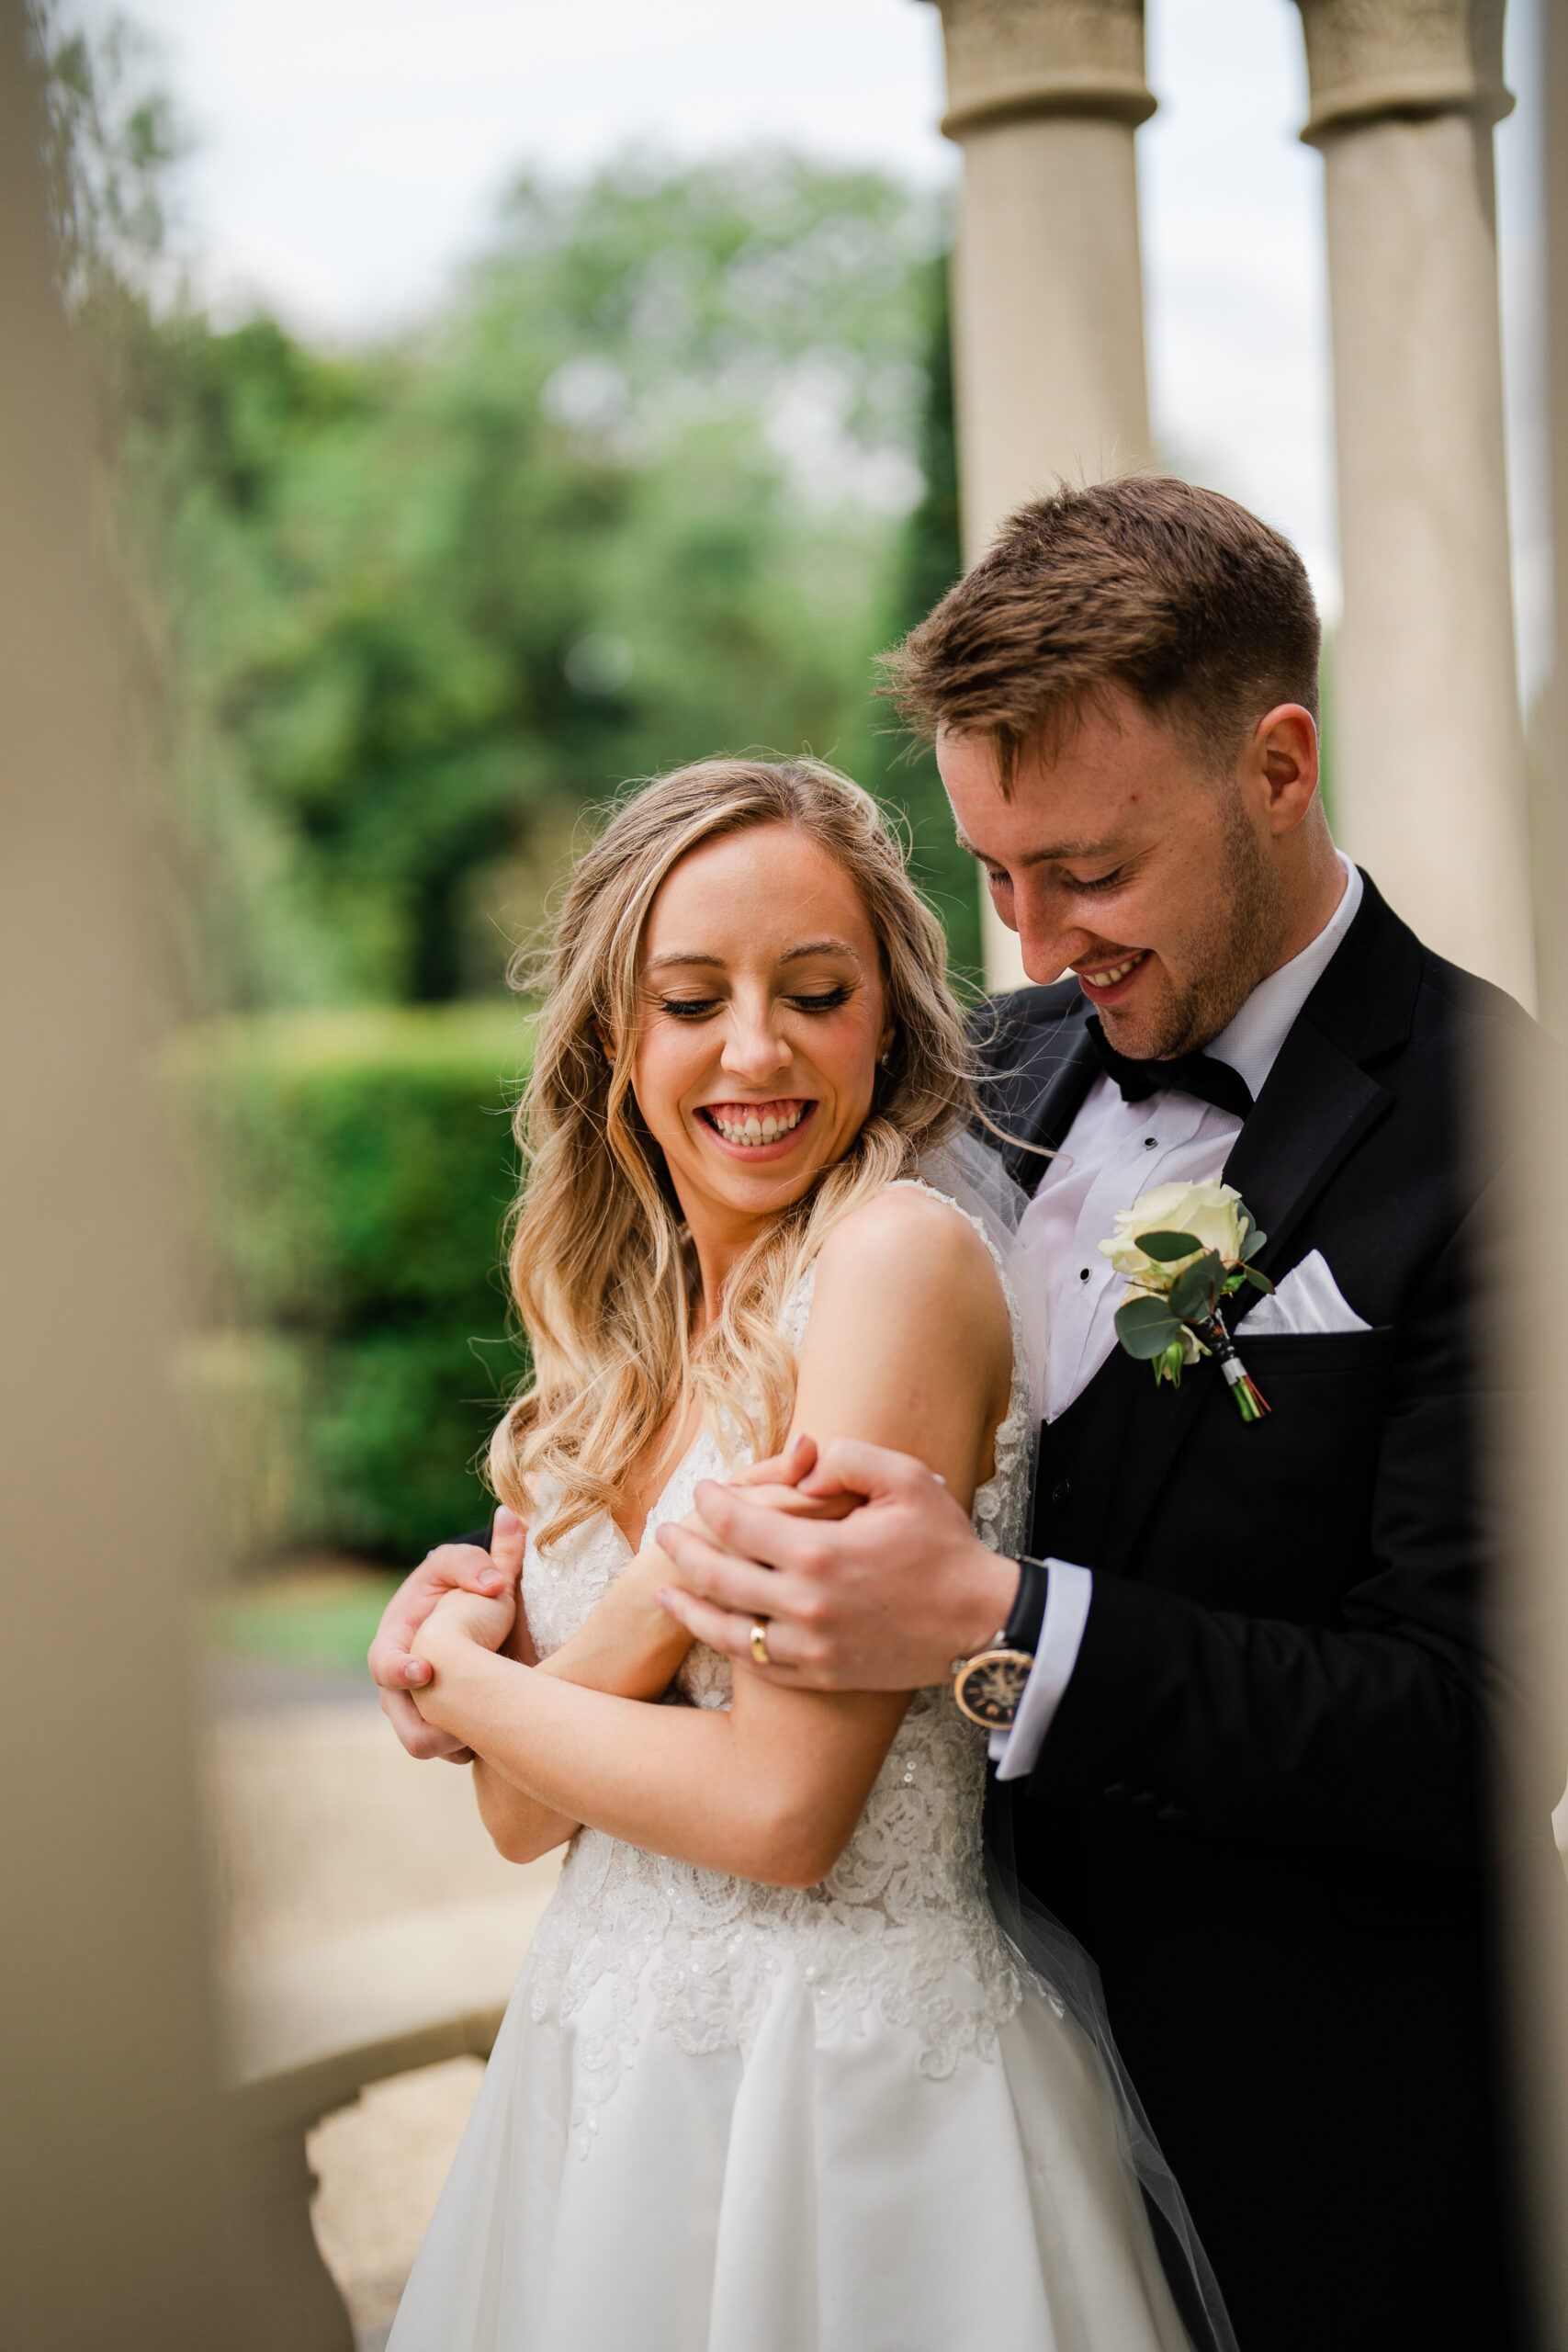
908,1342
907,1243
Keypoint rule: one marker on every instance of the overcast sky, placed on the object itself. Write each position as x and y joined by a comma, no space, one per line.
350,153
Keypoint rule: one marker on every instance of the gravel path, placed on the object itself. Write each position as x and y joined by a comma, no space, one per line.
321,1825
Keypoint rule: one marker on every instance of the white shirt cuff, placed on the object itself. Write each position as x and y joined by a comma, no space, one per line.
1016,1751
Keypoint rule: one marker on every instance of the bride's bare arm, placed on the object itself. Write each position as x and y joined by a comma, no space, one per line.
627,1647
908,1346
623,1649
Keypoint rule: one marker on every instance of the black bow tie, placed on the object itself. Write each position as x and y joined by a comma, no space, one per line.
1195,1074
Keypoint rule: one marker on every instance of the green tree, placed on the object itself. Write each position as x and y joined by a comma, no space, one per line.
631,497
930,559
648,487
607,513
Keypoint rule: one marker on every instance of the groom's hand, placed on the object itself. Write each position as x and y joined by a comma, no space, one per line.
883,1600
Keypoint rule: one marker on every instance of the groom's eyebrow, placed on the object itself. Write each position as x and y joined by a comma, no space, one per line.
1060,853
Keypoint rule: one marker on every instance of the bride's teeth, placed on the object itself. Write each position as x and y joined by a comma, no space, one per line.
757,1127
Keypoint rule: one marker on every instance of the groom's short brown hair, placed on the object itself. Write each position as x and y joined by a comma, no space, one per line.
1149,582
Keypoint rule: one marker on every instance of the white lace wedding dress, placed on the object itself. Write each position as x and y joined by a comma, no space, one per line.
728,2117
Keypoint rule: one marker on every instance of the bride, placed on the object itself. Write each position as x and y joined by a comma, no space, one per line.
773,2078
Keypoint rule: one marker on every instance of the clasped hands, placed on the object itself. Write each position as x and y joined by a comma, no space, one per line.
868,1573
461,1591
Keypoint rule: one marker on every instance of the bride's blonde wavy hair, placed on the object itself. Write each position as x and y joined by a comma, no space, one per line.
602,1269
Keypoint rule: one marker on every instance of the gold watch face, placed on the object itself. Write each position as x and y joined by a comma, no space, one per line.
988,1687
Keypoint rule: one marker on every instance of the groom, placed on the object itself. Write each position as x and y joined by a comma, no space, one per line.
1248,1768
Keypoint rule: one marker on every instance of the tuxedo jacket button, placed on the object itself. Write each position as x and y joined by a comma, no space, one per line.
1060,1494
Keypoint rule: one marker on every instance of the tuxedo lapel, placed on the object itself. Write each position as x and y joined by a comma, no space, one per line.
1037,1062
1066,1079
1320,1098
1318,1103
1299,1132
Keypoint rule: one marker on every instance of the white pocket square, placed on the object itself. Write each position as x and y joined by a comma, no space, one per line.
1307,1301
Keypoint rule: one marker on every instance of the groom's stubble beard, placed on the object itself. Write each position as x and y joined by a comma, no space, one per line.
1228,951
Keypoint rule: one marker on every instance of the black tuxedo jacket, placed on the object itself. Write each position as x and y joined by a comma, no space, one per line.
1263,1802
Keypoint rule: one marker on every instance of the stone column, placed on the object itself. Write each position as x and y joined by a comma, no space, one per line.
120,2226
1430,752
1044,98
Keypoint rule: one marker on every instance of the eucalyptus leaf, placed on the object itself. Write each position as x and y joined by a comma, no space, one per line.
1166,1248
1194,1291
1253,1243
1259,1282
1146,1327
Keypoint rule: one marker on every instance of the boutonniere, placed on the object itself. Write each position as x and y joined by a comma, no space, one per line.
1184,1250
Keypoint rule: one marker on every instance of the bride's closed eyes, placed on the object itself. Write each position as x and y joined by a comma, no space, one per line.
703,1008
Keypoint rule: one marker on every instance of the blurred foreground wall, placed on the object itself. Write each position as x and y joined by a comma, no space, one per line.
1537,1594
113,2170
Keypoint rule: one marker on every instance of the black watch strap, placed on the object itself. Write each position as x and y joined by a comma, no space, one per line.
1023,1629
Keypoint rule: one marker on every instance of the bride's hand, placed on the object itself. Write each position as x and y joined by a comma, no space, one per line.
770,1482
395,1667
786,1469
781,1497
465,1616
777,1482
631,1625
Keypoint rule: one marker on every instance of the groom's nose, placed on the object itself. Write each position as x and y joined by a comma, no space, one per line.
1049,937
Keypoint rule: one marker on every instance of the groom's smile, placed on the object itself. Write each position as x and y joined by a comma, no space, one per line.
1106,982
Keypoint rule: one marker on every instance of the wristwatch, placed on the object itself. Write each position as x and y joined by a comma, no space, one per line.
988,1686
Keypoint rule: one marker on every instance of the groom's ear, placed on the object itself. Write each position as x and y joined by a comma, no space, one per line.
1283,757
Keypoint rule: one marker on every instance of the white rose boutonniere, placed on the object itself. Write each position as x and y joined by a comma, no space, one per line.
1184,1250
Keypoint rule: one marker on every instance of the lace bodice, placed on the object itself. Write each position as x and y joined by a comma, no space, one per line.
900,1924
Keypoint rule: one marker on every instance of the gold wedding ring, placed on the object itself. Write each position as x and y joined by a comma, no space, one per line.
760,1643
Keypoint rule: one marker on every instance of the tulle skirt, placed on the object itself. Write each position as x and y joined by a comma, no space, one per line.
812,2192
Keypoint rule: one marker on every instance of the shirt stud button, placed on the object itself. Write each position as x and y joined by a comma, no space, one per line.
1151,1143
1083,1273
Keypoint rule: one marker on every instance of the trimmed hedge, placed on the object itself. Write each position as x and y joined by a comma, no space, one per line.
353,1170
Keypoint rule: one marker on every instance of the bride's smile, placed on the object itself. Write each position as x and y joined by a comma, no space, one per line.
759,1130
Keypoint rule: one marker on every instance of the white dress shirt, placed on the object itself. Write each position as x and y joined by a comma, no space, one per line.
1114,1151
